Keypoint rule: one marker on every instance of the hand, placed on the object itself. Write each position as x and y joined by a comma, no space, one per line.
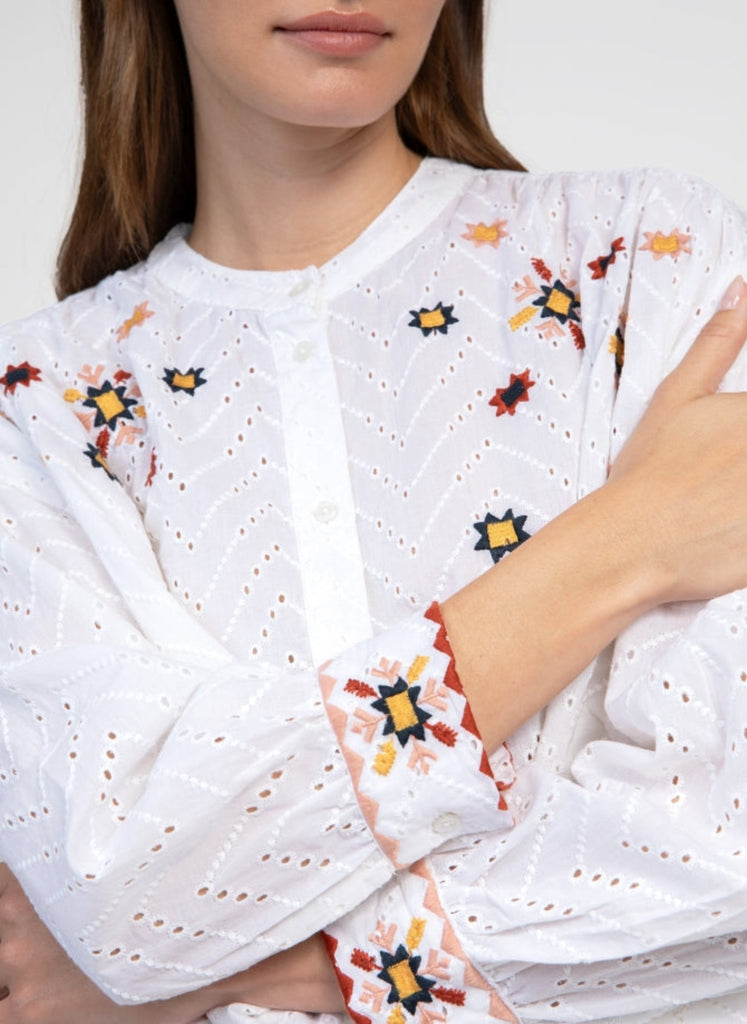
670,524
680,482
39,984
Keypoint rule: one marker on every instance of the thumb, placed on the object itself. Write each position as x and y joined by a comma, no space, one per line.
714,350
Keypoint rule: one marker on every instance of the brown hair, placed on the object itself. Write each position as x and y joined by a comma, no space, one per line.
138,176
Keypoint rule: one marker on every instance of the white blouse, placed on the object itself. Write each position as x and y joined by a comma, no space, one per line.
229,715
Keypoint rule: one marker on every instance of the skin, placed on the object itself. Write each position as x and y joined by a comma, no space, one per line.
297,153
605,562
41,985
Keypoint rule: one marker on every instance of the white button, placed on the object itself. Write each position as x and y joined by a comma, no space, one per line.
298,289
303,350
446,824
326,511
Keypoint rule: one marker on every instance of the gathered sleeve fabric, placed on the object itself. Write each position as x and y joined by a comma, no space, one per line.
174,814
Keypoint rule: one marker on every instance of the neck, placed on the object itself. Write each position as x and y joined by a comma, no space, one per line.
294,196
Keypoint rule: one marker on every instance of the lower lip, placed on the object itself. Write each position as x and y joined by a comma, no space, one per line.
339,44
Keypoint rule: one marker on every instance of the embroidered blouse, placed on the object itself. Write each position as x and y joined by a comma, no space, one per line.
230,716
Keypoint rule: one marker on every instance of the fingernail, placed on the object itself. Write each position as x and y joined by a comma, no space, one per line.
735,293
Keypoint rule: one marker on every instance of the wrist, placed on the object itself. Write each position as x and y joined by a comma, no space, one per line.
523,631
301,978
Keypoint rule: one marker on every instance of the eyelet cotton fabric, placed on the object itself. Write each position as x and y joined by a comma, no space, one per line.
230,716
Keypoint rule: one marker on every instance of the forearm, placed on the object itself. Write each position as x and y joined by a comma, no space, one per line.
671,524
526,628
40,983
301,978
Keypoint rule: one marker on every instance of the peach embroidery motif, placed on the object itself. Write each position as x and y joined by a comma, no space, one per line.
139,315
487,234
675,244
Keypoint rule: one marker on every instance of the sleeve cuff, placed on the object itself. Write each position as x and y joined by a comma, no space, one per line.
398,959
406,730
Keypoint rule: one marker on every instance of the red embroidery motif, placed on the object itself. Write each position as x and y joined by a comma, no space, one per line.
444,733
600,266
363,960
449,995
22,374
541,268
102,442
506,399
578,336
359,689
152,470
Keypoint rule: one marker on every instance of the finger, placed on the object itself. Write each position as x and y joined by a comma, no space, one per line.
714,350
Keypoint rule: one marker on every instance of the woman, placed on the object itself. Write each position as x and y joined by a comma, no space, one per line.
250,469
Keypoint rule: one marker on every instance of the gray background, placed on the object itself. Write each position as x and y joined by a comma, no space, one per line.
582,84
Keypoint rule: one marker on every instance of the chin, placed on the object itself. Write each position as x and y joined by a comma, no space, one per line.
340,106
341,118
340,122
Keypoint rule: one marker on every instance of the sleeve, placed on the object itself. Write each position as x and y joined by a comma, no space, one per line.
397,953
398,957
174,814
622,887
689,245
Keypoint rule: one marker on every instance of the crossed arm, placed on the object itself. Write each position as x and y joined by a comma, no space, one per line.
41,985
576,606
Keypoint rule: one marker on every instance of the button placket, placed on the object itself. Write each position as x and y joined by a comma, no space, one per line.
299,288
323,510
